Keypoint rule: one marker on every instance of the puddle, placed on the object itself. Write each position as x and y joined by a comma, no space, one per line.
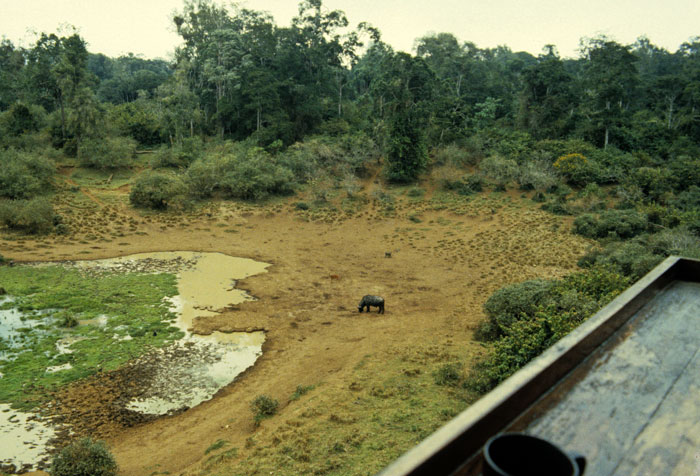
24,439
192,370
16,327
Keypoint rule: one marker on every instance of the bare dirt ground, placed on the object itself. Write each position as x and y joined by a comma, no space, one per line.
446,259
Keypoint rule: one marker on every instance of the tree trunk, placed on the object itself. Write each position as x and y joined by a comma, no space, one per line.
607,137
607,130
340,100
63,119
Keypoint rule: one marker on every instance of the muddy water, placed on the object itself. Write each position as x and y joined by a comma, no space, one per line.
193,369
23,436
23,440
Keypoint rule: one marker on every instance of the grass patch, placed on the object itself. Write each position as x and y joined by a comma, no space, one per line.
217,445
56,297
301,390
391,405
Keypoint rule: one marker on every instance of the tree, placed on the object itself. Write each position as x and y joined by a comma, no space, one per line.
547,100
11,70
409,87
610,79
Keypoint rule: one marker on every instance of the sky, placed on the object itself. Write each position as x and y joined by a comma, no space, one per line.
143,27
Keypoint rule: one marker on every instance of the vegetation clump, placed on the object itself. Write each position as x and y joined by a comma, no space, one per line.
24,175
522,330
34,216
159,191
263,407
84,457
107,152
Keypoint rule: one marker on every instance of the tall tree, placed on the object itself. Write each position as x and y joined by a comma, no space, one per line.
610,79
11,70
409,89
547,100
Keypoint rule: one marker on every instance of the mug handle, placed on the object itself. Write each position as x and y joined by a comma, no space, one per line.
580,461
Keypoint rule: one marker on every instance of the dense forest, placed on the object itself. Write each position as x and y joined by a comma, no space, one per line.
249,109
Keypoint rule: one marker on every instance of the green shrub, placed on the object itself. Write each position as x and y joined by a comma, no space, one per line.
678,241
448,374
107,152
455,156
263,407
139,120
84,457
537,175
35,216
237,172
158,191
301,390
617,223
24,175
510,303
179,155
349,153
563,306
20,119
254,176
501,170
685,172
654,183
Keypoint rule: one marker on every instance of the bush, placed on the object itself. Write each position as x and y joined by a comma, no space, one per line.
254,176
24,175
84,457
621,224
139,120
20,119
107,152
678,241
500,170
455,156
263,407
449,179
685,172
301,390
511,303
632,258
179,155
537,175
563,306
349,153
35,216
448,374
158,191
654,183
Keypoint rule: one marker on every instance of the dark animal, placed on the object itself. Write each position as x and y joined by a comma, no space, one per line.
369,300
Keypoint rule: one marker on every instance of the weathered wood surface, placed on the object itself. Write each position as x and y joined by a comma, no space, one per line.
634,407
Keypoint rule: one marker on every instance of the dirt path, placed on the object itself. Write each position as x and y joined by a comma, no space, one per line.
441,271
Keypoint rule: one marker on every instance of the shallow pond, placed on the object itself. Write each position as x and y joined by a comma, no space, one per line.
193,369
181,374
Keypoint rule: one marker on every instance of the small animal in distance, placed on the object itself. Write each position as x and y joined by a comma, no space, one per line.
369,300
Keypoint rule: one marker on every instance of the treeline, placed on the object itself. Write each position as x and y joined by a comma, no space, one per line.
237,75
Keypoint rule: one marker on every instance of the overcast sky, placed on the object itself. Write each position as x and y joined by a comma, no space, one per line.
143,27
